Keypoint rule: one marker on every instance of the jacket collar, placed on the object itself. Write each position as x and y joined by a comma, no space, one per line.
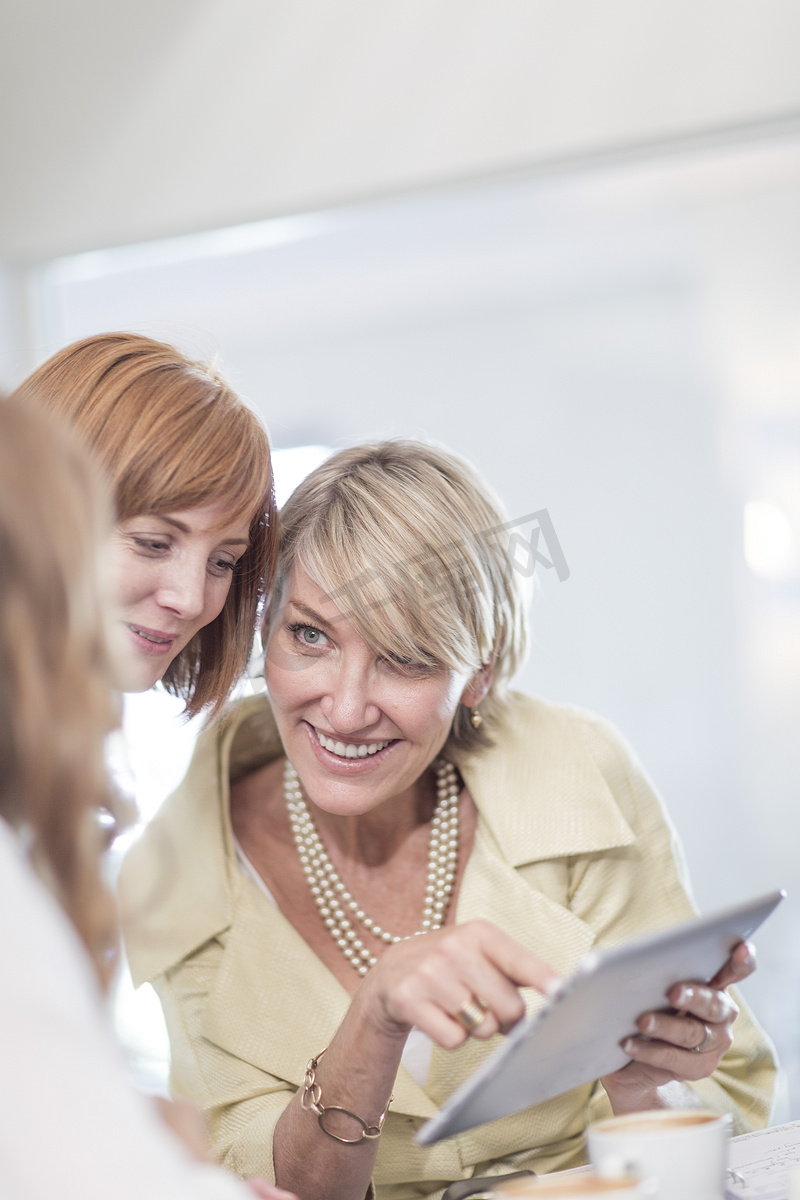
540,789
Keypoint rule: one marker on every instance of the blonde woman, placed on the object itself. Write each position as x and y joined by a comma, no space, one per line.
394,786
189,467
70,1125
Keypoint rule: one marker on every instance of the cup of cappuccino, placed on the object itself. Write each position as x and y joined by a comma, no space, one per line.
682,1151
571,1186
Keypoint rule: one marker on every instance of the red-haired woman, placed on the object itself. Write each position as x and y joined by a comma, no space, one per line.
189,467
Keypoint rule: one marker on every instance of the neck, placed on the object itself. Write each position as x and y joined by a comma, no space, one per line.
372,844
372,838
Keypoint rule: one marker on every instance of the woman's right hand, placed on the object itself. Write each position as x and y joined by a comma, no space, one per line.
421,982
424,981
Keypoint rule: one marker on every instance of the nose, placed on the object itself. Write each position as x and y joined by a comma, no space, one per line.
182,588
348,704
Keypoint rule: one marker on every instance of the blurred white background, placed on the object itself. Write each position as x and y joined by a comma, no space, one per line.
562,239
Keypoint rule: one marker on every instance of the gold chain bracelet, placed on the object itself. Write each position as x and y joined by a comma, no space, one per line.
311,1100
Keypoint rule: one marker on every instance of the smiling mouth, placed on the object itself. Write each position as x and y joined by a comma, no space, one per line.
154,638
350,749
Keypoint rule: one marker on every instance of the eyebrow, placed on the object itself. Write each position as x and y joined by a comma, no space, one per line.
171,521
186,529
310,613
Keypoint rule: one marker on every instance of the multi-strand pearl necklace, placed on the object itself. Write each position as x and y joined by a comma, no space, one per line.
332,898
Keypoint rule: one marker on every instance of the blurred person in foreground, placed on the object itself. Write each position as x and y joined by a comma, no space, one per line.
365,879
71,1126
194,542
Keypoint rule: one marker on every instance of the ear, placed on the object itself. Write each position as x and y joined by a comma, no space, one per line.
478,686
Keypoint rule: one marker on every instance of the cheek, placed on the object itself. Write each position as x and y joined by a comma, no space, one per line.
293,680
441,708
284,681
129,577
432,713
450,697
215,596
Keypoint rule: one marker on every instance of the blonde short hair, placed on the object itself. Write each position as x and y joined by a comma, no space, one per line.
403,537
171,434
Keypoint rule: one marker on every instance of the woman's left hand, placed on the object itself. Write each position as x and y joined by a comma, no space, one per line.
682,1045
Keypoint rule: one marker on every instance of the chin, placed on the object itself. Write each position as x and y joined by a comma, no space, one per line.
133,676
130,676
129,681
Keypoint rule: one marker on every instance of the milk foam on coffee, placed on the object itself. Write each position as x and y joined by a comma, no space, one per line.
573,1187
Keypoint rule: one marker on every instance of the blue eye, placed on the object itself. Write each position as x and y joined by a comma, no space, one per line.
307,635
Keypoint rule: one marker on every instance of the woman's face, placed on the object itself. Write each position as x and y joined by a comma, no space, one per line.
359,729
172,573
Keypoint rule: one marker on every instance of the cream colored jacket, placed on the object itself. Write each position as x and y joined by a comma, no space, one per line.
572,849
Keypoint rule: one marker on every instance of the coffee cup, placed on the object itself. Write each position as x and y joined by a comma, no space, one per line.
567,1185
683,1151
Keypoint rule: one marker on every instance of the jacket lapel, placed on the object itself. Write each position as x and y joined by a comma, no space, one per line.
178,881
174,884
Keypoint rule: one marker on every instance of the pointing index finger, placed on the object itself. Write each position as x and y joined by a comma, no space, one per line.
517,963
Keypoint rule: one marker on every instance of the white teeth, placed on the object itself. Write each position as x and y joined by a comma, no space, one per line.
148,638
351,750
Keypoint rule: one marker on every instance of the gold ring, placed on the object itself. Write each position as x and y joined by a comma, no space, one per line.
471,1014
706,1039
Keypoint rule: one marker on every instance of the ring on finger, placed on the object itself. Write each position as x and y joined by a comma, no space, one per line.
471,1014
706,1039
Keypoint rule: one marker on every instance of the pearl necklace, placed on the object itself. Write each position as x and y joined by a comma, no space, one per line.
332,897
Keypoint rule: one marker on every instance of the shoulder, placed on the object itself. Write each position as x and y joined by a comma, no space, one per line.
242,740
178,881
557,781
536,728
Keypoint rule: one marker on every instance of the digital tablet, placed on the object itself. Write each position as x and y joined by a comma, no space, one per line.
577,1037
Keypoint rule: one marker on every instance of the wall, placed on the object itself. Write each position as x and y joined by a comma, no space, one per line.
125,122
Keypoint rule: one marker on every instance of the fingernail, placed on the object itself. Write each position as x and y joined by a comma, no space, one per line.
649,1025
685,997
553,987
628,1045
